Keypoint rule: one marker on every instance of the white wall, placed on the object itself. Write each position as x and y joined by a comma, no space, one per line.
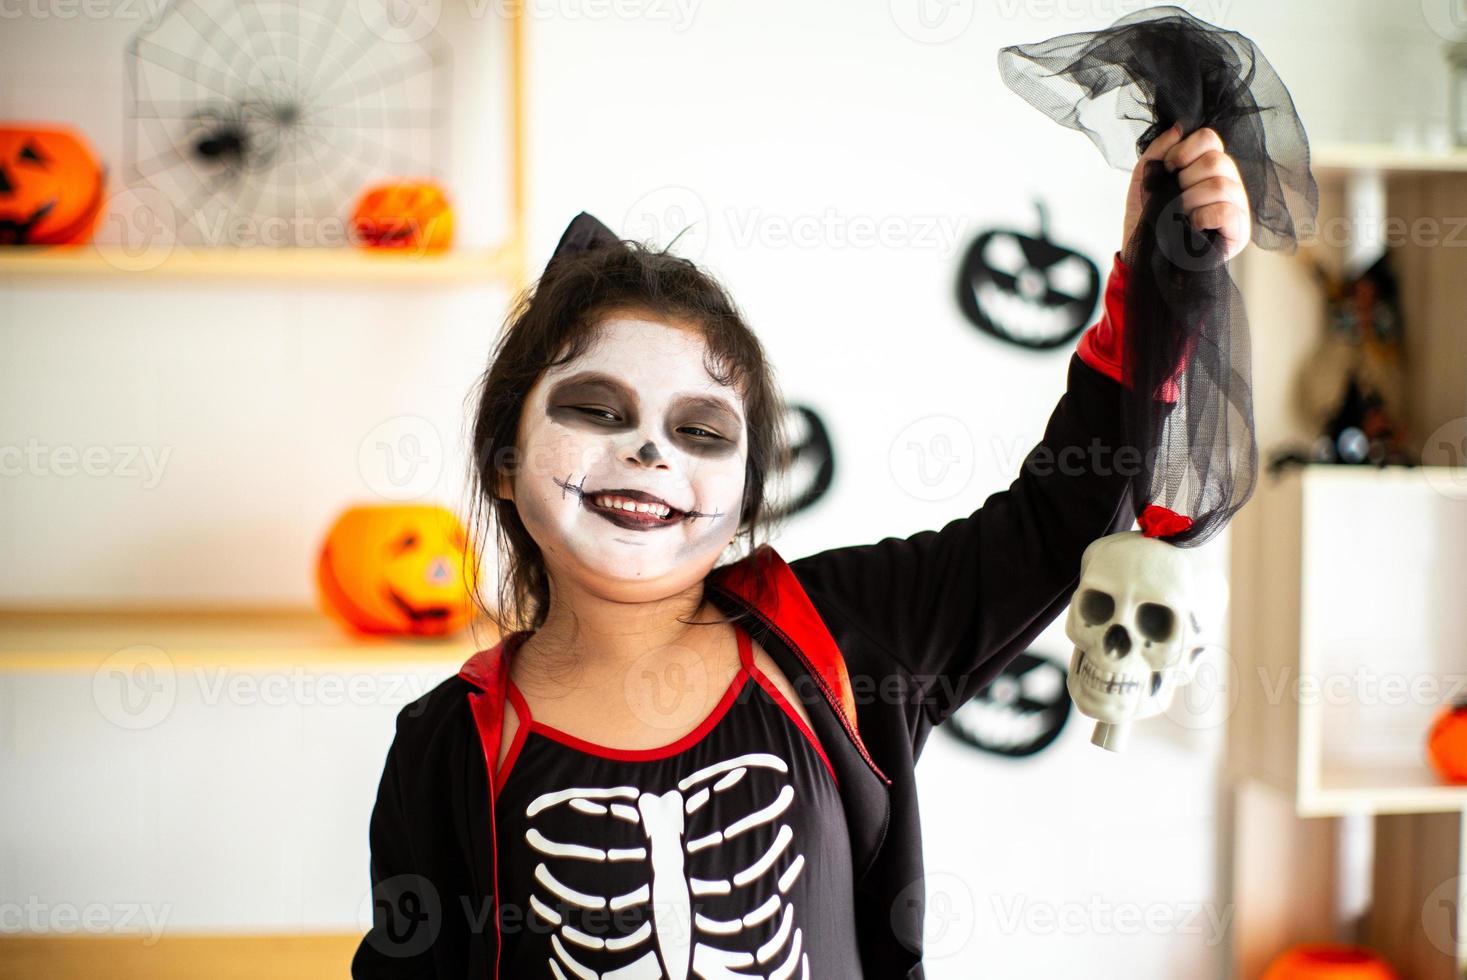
760,121
235,800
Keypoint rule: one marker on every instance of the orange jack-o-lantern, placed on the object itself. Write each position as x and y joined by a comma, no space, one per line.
396,569
408,215
51,187
1329,961
1446,746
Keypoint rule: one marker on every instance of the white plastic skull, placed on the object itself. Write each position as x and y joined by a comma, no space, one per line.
1138,619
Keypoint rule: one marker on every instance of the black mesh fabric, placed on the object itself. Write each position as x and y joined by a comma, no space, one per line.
1122,87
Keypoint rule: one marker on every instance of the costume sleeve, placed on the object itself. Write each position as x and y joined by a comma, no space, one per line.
399,943
953,606
1103,345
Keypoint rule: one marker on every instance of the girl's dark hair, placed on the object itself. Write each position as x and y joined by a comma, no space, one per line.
554,321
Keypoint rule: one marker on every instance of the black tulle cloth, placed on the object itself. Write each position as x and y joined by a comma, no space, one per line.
1124,86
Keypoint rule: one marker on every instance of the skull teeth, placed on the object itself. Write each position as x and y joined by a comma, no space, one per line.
1114,683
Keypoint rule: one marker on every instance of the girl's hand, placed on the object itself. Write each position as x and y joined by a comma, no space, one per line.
1213,197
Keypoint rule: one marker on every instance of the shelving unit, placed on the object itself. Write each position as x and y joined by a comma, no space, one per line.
1349,604
1352,157
122,712
1352,638
1347,616
504,265
1410,787
244,639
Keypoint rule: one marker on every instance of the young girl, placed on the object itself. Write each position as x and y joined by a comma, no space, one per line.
671,769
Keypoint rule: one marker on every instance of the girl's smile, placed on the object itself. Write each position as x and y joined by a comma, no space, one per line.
635,510
634,435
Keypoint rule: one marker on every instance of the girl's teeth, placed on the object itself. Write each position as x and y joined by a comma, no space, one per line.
657,510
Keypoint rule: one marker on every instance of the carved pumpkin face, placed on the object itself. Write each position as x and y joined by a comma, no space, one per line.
808,471
1020,712
1447,744
1027,290
51,187
396,569
414,216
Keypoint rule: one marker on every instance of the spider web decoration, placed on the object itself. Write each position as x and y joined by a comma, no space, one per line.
263,120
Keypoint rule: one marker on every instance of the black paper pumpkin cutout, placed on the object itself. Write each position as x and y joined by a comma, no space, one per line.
807,473
1026,289
1019,713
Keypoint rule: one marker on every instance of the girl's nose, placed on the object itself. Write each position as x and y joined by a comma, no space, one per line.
649,455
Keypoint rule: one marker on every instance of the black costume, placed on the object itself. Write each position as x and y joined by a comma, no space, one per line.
881,642
713,850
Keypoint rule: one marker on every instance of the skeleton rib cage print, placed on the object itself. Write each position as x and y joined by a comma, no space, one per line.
722,855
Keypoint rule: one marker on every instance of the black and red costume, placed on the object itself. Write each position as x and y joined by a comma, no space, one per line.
881,643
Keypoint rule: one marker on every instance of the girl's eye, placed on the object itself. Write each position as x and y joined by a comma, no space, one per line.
704,433
603,413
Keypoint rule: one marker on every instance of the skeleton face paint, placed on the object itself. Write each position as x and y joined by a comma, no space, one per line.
633,457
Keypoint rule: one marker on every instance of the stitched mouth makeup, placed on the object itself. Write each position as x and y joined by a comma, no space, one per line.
637,434
634,510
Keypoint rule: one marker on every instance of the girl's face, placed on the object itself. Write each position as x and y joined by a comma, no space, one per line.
632,461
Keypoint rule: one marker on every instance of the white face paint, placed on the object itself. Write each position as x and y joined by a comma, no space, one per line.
637,412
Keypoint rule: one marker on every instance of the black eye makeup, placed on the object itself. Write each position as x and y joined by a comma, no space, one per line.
701,423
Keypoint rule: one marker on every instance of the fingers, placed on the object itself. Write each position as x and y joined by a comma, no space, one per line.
1160,146
1187,151
1227,219
1210,165
1214,190
1213,195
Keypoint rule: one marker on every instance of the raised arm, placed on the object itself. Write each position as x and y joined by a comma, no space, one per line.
953,606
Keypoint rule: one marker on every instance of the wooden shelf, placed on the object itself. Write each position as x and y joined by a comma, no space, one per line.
64,640
1386,157
1351,577
1407,788
1347,576
177,957
345,264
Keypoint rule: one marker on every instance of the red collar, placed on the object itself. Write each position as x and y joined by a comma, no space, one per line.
762,583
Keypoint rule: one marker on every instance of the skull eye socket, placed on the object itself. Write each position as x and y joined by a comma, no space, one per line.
1155,622
1096,606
